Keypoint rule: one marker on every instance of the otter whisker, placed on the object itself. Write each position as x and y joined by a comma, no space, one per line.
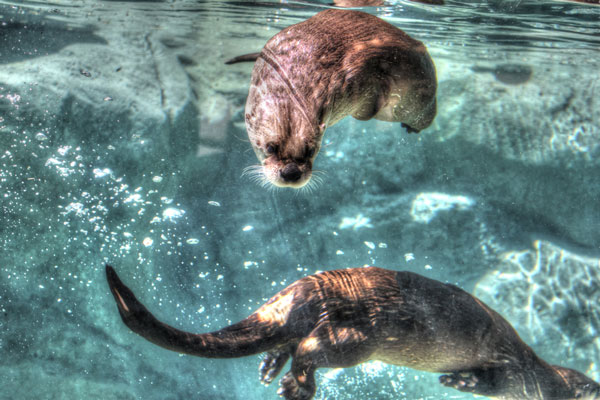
256,173
271,187
316,181
312,184
253,170
318,174
267,184
327,144
241,139
317,178
300,190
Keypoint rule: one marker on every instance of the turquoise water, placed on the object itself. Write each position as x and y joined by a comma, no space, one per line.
122,141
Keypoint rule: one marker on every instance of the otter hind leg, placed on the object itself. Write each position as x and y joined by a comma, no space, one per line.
483,381
298,387
272,364
325,347
463,381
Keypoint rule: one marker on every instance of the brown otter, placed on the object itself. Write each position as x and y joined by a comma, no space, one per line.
346,317
314,73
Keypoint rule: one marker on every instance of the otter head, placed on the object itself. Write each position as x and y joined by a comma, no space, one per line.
286,151
284,131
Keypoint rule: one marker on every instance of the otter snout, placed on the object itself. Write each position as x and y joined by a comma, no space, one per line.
284,173
290,173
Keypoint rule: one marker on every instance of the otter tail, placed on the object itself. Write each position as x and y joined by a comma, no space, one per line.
247,337
243,58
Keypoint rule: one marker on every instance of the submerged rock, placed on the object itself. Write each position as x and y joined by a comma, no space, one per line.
552,296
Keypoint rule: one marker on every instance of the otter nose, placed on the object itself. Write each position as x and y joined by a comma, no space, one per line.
290,173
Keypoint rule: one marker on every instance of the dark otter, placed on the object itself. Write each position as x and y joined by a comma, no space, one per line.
346,317
314,73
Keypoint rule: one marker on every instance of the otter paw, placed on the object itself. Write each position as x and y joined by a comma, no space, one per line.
291,390
271,365
465,382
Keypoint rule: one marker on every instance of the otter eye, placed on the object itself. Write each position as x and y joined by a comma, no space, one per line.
270,149
310,152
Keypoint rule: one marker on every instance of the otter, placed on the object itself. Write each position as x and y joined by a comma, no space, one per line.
312,74
345,317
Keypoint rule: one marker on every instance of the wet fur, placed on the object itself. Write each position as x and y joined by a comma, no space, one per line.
314,73
346,317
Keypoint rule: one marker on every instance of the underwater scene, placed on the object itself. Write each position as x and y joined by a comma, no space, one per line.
455,141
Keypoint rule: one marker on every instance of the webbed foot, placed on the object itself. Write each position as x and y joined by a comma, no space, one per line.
271,365
463,381
291,389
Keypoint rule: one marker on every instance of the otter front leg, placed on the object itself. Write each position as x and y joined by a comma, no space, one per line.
325,347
